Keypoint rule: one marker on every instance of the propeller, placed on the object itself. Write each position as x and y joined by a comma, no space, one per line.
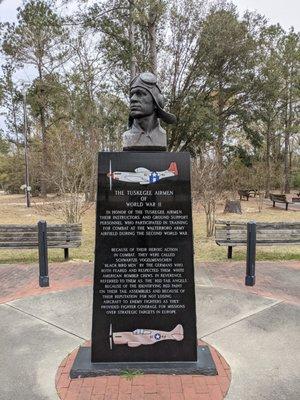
110,336
110,175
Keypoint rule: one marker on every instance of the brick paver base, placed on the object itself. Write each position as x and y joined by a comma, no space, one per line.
144,387
22,280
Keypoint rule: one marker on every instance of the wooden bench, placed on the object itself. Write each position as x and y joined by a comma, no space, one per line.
244,193
234,233
279,198
62,236
255,192
247,193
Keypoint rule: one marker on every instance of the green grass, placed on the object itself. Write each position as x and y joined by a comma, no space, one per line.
13,211
130,374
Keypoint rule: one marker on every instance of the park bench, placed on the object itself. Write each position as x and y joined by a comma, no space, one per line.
296,199
244,193
279,198
234,233
62,236
247,193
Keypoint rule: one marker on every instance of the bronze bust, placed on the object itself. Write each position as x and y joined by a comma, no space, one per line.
146,109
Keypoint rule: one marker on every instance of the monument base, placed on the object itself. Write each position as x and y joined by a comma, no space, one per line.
84,368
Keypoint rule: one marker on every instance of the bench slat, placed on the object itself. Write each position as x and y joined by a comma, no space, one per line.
283,235
260,234
35,234
26,236
275,225
260,243
12,227
260,237
18,245
234,233
35,239
244,243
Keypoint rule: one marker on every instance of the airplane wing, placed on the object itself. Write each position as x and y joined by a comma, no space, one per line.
134,344
143,170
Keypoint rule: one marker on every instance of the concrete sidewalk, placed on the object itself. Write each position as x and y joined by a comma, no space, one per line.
255,329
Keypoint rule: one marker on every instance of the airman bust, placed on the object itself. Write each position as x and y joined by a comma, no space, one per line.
146,110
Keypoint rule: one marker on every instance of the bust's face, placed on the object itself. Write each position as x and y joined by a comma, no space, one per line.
141,103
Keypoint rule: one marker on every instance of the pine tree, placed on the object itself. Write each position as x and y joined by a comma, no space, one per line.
37,40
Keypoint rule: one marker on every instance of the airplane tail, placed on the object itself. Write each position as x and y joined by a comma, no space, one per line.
177,333
173,168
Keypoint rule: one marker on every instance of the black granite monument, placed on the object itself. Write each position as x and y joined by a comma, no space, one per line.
144,300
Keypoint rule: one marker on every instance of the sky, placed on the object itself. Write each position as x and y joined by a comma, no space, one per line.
285,12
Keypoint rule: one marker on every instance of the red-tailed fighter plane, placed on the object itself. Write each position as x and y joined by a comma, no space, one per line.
142,175
144,336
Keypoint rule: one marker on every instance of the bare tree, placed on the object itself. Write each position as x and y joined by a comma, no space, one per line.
207,189
68,166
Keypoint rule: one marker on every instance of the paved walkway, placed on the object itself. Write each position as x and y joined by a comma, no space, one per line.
273,279
255,330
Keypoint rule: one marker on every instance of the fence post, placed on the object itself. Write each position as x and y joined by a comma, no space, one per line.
43,254
251,251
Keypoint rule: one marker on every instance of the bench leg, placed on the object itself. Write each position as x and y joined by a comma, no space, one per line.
66,252
43,254
229,252
273,203
286,206
251,250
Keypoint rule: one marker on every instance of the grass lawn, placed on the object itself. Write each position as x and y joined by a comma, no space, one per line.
14,211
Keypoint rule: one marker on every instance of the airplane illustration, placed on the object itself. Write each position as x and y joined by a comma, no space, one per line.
142,175
144,336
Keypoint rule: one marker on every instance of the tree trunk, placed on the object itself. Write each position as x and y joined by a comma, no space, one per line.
260,200
44,138
221,125
210,211
286,162
133,66
268,164
289,116
44,155
90,188
152,40
233,206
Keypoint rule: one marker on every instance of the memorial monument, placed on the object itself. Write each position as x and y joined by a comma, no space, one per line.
144,295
